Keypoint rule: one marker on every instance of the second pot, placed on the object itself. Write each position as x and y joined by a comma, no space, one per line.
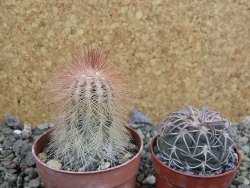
167,177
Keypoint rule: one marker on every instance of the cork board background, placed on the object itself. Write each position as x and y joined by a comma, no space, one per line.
179,52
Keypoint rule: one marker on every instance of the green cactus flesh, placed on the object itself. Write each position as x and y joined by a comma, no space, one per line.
197,140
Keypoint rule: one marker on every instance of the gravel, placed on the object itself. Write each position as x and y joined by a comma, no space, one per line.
17,165
146,175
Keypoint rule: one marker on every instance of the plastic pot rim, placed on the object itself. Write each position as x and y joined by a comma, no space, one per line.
190,175
88,172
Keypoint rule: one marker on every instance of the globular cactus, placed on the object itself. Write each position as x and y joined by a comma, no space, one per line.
91,113
198,141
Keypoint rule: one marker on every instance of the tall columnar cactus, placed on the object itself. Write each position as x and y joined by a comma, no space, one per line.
90,112
196,140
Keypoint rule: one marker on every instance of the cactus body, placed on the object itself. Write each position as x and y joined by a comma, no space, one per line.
196,140
90,112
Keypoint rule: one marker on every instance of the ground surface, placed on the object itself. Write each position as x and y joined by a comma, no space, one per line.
17,165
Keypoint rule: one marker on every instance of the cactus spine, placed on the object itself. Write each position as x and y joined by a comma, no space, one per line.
90,112
196,140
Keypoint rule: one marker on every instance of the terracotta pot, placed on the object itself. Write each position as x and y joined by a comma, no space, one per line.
167,177
122,176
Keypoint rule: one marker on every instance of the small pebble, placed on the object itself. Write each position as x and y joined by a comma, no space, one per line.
27,179
54,164
43,126
246,121
149,180
136,126
26,133
32,173
10,177
26,147
6,130
43,157
126,157
18,132
148,156
34,183
240,179
7,144
90,167
244,173
155,133
17,147
37,132
10,157
148,135
104,165
9,164
82,169
140,133
246,149
229,167
19,181
51,125
140,177
1,137
29,159
243,140
6,185
139,117
246,181
11,121
23,166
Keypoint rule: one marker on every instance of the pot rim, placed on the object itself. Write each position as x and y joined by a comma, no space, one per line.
190,175
88,172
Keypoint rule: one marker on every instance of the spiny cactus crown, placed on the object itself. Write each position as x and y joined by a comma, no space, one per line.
91,113
196,140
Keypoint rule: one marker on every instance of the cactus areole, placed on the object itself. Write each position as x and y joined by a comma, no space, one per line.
90,109
197,141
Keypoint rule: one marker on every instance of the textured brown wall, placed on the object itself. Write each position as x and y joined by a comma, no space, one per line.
179,52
